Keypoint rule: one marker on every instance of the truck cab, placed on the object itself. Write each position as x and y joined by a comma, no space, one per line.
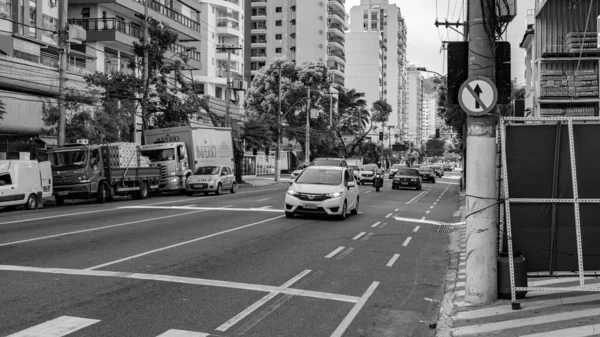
173,161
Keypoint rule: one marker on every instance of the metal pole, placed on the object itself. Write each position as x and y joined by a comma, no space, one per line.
228,90
277,168
62,81
307,145
145,75
330,108
481,273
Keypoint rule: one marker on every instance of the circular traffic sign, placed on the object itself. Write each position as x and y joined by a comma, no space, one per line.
478,96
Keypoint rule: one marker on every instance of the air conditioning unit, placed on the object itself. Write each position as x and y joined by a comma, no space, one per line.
76,34
239,85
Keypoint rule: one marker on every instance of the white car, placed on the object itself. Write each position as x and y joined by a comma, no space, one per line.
211,179
323,190
299,170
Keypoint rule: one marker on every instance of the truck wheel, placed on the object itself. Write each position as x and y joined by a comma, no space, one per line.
32,202
60,200
143,191
219,190
233,188
101,195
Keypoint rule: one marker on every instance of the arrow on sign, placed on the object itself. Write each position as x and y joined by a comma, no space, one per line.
478,91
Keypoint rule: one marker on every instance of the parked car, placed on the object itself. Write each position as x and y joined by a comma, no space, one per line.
366,174
427,174
299,170
211,179
407,177
323,190
395,169
329,162
355,171
439,171
448,167
24,183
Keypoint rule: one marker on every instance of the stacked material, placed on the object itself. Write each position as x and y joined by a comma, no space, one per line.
571,111
577,40
565,80
144,161
123,155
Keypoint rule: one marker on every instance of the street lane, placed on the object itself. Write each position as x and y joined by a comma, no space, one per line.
188,282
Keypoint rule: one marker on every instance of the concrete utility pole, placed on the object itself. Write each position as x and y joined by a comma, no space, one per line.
481,270
307,145
62,69
145,75
229,50
278,149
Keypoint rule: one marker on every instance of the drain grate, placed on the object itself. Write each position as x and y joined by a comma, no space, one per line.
446,228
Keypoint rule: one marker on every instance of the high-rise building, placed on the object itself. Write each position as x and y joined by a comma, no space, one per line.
298,30
414,114
429,120
386,19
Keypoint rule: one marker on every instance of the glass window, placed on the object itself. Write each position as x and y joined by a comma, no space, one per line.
408,172
278,50
278,36
32,17
159,154
320,177
278,9
207,170
5,179
5,9
73,159
278,23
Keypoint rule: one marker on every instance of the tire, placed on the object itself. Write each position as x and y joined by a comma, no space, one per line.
101,195
355,210
32,202
219,189
233,188
289,214
144,191
189,194
60,200
342,216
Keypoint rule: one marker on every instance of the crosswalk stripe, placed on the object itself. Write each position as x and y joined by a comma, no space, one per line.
57,327
580,331
523,322
182,333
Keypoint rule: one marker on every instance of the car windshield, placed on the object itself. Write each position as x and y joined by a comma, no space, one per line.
408,172
320,177
207,170
425,169
397,166
74,159
159,154
369,168
326,162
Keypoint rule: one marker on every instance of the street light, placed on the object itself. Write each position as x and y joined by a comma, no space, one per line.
429,71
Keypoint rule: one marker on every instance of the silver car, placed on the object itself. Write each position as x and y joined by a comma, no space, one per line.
211,179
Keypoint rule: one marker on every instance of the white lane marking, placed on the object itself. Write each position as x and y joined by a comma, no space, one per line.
389,215
181,243
189,205
396,210
359,235
265,199
427,212
523,322
393,260
407,241
431,222
223,327
420,195
55,216
265,207
57,327
367,192
339,331
580,331
367,237
97,228
332,254
431,207
383,225
260,209
376,224
423,218
435,203
186,280
345,253
446,183
183,333
416,229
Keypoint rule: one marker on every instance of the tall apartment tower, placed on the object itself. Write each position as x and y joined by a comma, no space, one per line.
429,117
386,19
298,30
413,127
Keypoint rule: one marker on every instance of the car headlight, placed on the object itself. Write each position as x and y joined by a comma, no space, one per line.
173,173
292,192
335,194
413,179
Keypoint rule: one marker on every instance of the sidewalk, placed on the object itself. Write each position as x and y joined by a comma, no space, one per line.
562,313
265,180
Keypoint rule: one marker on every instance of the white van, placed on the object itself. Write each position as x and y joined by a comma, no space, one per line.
24,182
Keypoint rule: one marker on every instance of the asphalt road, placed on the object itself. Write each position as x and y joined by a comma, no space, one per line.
231,265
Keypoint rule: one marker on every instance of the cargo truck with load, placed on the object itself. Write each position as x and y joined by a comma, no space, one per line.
179,151
83,171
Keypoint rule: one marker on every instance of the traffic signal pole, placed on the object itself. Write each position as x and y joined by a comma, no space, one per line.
481,196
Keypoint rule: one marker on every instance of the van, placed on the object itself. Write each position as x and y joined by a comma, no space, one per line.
24,182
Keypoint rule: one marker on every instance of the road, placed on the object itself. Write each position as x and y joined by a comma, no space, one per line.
229,265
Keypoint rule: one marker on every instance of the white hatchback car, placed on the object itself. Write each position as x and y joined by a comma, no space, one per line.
323,190
211,179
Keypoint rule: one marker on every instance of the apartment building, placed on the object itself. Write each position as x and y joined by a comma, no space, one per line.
28,46
414,114
428,119
386,19
298,30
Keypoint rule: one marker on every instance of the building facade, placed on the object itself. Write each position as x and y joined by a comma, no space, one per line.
386,19
414,114
428,119
298,30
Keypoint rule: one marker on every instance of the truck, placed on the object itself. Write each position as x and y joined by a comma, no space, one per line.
358,162
84,171
24,183
179,151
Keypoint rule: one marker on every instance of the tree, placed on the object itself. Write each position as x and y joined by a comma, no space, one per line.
435,147
381,111
257,133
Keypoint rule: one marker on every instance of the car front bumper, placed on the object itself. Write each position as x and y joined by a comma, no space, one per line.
325,207
202,186
405,183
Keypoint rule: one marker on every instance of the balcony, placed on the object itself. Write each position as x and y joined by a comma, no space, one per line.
336,43
258,43
173,15
337,4
259,14
340,17
109,29
337,29
262,28
258,56
236,55
258,3
227,27
230,16
337,57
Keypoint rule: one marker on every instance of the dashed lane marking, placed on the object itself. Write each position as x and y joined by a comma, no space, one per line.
359,235
376,224
259,209
57,327
407,241
335,251
393,260
389,215
396,210
427,212
183,333
383,225
367,237
416,229
345,253
265,199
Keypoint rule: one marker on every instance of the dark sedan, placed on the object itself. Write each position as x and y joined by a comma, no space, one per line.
406,178
427,173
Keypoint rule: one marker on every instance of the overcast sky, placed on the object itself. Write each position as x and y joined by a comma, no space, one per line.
424,39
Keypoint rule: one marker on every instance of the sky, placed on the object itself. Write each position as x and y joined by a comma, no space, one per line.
424,39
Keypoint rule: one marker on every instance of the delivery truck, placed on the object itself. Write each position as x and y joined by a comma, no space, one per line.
179,151
24,183
83,171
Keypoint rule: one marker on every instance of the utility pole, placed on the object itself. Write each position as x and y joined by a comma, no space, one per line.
307,145
481,270
278,149
229,50
145,76
62,69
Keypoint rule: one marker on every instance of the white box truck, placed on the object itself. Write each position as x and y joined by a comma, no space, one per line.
24,183
179,151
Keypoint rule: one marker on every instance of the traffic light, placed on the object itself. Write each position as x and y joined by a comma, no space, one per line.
437,133
380,135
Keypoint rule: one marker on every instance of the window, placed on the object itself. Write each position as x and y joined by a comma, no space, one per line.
293,8
278,50
5,9
278,23
32,17
278,9
278,36
85,12
374,25
218,92
293,22
48,23
5,179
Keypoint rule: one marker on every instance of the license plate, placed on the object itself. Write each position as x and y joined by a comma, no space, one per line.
63,193
310,206
403,183
198,185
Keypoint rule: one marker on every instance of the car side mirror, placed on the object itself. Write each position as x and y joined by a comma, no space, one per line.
351,184
2,183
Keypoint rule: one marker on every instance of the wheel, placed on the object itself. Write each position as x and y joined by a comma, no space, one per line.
289,214
233,188
419,187
342,216
32,202
355,210
219,189
433,182
101,195
144,191
189,194
60,200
